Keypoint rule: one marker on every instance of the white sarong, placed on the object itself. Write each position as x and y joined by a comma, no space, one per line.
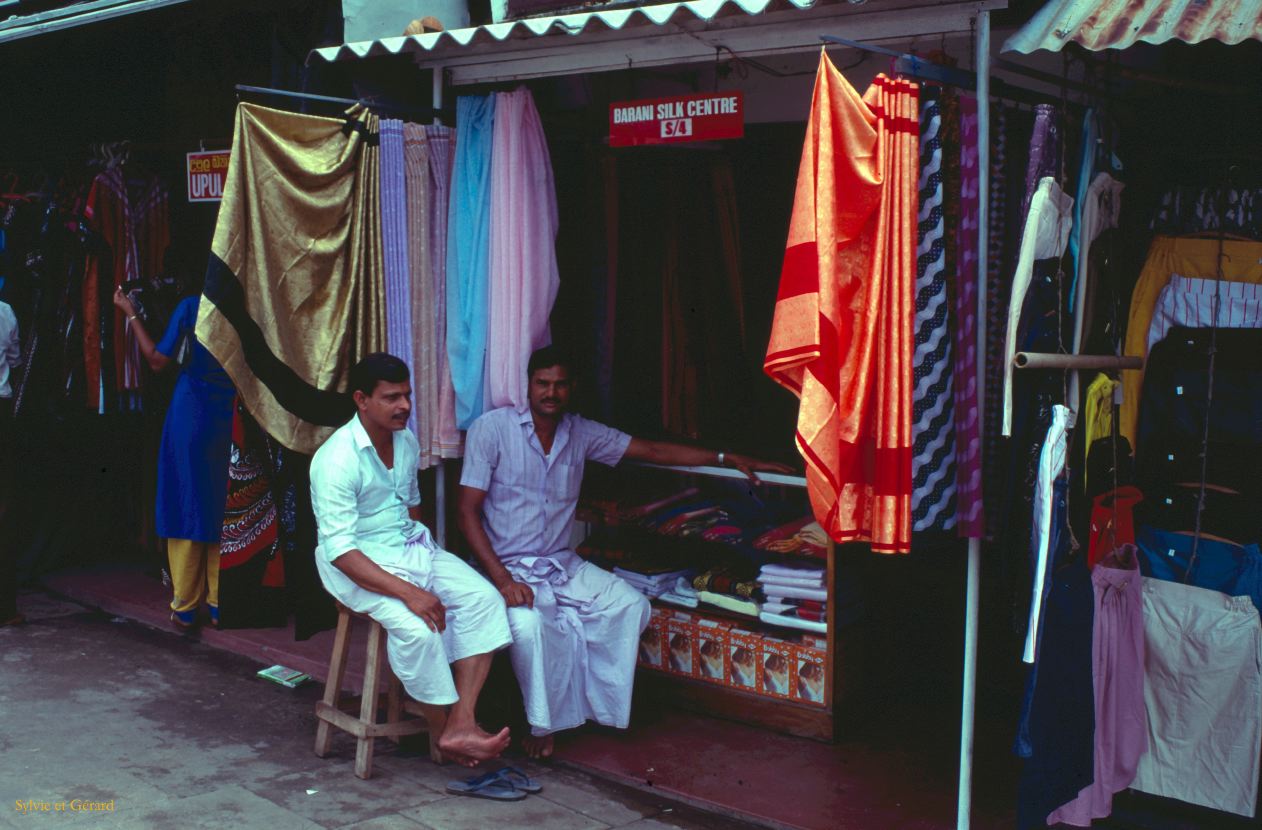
476,619
574,653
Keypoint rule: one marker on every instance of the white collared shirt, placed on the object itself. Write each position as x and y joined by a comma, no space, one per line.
10,349
1045,236
358,503
531,496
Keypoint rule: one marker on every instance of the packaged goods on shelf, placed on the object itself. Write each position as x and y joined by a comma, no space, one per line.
712,650
742,649
810,661
776,667
653,641
681,634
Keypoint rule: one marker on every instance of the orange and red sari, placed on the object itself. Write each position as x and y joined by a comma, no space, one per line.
842,335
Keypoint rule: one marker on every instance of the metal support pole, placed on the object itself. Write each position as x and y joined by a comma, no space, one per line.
436,94
968,708
440,471
440,503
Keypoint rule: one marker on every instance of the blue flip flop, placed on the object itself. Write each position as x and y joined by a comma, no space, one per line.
519,780
492,786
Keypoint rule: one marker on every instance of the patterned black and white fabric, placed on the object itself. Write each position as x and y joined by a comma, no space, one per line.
933,404
1183,210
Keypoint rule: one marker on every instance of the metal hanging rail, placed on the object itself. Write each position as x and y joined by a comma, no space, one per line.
925,70
418,115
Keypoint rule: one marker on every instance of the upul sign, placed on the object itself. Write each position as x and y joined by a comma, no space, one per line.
705,117
207,173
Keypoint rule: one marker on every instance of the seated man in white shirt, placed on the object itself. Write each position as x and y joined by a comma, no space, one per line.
576,627
443,620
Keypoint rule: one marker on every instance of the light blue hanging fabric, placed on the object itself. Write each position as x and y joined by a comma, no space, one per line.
468,254
1090,137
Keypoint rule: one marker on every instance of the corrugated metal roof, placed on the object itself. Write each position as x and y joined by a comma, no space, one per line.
1117,24
77,14
569,24
659,35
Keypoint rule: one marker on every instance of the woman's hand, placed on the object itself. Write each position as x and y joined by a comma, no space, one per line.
123,302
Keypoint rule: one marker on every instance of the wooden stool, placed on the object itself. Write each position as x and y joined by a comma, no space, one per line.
365,728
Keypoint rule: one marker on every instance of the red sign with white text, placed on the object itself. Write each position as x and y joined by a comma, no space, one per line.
681,118
207,173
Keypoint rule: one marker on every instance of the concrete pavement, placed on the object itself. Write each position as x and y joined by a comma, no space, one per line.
110,724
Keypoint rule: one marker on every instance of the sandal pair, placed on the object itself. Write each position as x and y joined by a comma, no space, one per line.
187,620
504,784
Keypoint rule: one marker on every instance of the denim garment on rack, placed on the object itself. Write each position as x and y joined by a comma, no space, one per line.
1059,548
1235,570
1061,727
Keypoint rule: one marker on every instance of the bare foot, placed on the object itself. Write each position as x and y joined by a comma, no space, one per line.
538,746
436,754
471,746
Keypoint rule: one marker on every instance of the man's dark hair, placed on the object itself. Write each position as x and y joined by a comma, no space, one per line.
546,358
375,368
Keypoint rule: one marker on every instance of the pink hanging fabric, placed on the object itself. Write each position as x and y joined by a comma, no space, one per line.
524,275
1117,655
446,440
424,346
968,443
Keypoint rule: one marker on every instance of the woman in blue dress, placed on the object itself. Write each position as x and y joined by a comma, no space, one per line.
193,459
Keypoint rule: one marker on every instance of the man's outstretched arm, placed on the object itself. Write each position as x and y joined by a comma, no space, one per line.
681,455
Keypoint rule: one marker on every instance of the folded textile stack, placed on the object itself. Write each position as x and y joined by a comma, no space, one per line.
681,593
731,520
633,507
725,581
655,583
804,537
729,589
730,602
796,596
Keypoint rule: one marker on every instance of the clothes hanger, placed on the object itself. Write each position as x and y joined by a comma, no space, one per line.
1208,536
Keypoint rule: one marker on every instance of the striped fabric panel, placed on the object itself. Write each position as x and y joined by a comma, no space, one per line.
1189,301
394,238
968,446
933,401
997,255
1224,288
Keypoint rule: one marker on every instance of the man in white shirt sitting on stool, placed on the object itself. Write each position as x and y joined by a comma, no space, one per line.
576,627
443,620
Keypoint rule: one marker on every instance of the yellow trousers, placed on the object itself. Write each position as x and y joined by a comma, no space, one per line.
1188,257
194,573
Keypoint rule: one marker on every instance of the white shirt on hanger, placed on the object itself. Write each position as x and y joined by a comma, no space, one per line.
1045,236
10,348
1051,463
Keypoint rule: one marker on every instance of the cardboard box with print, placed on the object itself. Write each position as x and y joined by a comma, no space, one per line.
776,667
712,650
681,633
653,641
742,662
810,658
